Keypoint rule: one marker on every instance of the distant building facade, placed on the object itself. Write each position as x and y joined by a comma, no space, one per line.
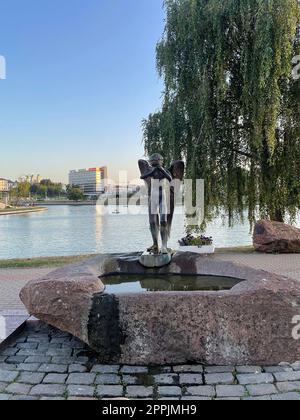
92,181
6,185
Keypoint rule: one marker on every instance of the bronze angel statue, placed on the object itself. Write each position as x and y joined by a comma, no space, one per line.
162,188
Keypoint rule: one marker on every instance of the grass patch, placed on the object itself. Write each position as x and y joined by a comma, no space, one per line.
42,261
236,249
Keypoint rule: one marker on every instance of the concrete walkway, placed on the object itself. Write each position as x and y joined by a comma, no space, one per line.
286,265
12,280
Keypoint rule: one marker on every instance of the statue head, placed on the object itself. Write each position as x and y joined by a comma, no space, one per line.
156,160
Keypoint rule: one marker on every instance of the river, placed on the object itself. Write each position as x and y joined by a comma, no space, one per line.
75,230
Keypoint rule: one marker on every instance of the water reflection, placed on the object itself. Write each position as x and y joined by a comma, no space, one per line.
167,283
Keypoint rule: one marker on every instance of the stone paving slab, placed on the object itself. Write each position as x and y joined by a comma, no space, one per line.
81,377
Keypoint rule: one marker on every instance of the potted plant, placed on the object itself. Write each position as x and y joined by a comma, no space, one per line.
199,244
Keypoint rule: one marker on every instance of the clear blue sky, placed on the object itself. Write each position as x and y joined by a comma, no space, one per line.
81,76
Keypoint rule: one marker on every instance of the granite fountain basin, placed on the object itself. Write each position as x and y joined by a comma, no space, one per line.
229,314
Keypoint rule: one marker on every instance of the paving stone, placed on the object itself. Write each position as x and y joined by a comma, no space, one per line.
260,390
9,351
109,391
139,391
59,352
81,359
276,369
264,398
30,352
287,376
219,379
55,378
17,388
53,368
188,369
3,385
33,378
8,366
291,396
285,364
134,369
28,367
229,391
52,399
8,376
23,398
76,368
81,391
219,369
288,386
5,397
58,360
105,369
248,369
48,390
200,391
195,399
81,378
169,391
191,379
15,360
296,366
159,370
166,379
107,379
38,359
2,359
260,378
82,399
38,339
132,380
228,399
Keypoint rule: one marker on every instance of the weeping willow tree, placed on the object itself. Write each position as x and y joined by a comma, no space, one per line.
231,107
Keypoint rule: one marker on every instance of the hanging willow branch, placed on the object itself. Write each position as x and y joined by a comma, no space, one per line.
231,107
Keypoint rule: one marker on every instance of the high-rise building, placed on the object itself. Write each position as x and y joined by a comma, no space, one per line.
92,181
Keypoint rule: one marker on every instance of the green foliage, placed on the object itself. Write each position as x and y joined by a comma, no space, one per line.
22,190
47,188
74,193
231,108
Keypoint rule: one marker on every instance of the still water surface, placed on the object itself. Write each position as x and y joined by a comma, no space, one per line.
117,284
68,230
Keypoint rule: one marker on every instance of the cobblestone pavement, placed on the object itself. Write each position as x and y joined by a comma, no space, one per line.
44,363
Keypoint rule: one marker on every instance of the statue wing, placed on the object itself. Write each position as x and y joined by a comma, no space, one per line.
177,170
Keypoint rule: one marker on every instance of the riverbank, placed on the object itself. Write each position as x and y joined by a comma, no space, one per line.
21,210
